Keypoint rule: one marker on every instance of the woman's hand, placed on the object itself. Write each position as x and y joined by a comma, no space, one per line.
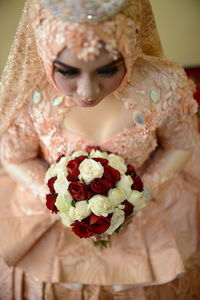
166,164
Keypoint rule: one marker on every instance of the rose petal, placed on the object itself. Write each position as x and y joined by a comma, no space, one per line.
138,184
50,202
82,229
50,184
90,148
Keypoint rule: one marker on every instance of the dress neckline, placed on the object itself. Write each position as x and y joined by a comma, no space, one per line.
92,141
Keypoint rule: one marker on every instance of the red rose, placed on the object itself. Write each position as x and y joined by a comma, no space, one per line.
73,168
100,186
128,209
130,171
79,191
50,184
82,229
50,202
79,159
74,163
73,176
59,158
103,161
90,148
138,184
111,174
99,224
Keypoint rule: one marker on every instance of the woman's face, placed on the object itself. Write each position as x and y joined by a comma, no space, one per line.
88,83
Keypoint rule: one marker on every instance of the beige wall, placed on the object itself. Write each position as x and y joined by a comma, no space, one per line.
178,22
10,11
179,26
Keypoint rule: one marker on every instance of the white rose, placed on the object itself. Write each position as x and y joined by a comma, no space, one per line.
62,166
82,210
61,185
136,198
79,153
117,162
63,202
63,161
72,214
65,219
51,172
89,170
116,196
98,154
116,220
125,183
100,205
56,169
121,206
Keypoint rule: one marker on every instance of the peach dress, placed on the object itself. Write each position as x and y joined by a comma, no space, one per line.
42,259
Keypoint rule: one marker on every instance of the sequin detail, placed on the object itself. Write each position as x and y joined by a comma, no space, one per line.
37,97
84,11
131,106
155,95
57,100
139,118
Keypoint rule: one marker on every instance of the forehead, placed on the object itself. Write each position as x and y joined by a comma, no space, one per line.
69,58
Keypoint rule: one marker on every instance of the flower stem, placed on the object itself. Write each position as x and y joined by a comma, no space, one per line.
102,244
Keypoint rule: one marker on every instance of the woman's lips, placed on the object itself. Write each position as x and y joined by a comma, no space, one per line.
87,102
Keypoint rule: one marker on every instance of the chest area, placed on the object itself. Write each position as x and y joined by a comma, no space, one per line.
100,123
128,133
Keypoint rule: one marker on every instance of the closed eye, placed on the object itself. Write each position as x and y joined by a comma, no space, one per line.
108,72
69,73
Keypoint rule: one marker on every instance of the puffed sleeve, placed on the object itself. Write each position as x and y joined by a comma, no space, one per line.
178,127
20,142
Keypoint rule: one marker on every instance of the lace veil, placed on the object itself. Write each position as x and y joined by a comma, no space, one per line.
25,68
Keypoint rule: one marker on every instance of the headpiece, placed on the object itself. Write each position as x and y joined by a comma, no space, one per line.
84,11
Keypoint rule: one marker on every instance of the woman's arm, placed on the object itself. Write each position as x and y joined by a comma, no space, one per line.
30,174
19,149
166,164
177,133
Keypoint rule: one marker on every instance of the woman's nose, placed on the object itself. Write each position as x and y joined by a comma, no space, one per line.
87,87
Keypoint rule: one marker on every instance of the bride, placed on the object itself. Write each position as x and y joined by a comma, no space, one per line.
93,73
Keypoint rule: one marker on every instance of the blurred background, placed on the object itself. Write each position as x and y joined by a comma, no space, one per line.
178,22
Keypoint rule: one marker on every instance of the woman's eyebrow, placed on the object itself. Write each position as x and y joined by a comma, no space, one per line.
112,63
57,62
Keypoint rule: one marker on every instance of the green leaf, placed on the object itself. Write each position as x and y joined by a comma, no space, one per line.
73,203
118,229
102,244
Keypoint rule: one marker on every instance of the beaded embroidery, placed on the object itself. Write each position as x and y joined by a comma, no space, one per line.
84,11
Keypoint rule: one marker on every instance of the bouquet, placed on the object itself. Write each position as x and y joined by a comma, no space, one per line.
94,193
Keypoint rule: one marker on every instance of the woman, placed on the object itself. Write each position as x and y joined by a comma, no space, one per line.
82,75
